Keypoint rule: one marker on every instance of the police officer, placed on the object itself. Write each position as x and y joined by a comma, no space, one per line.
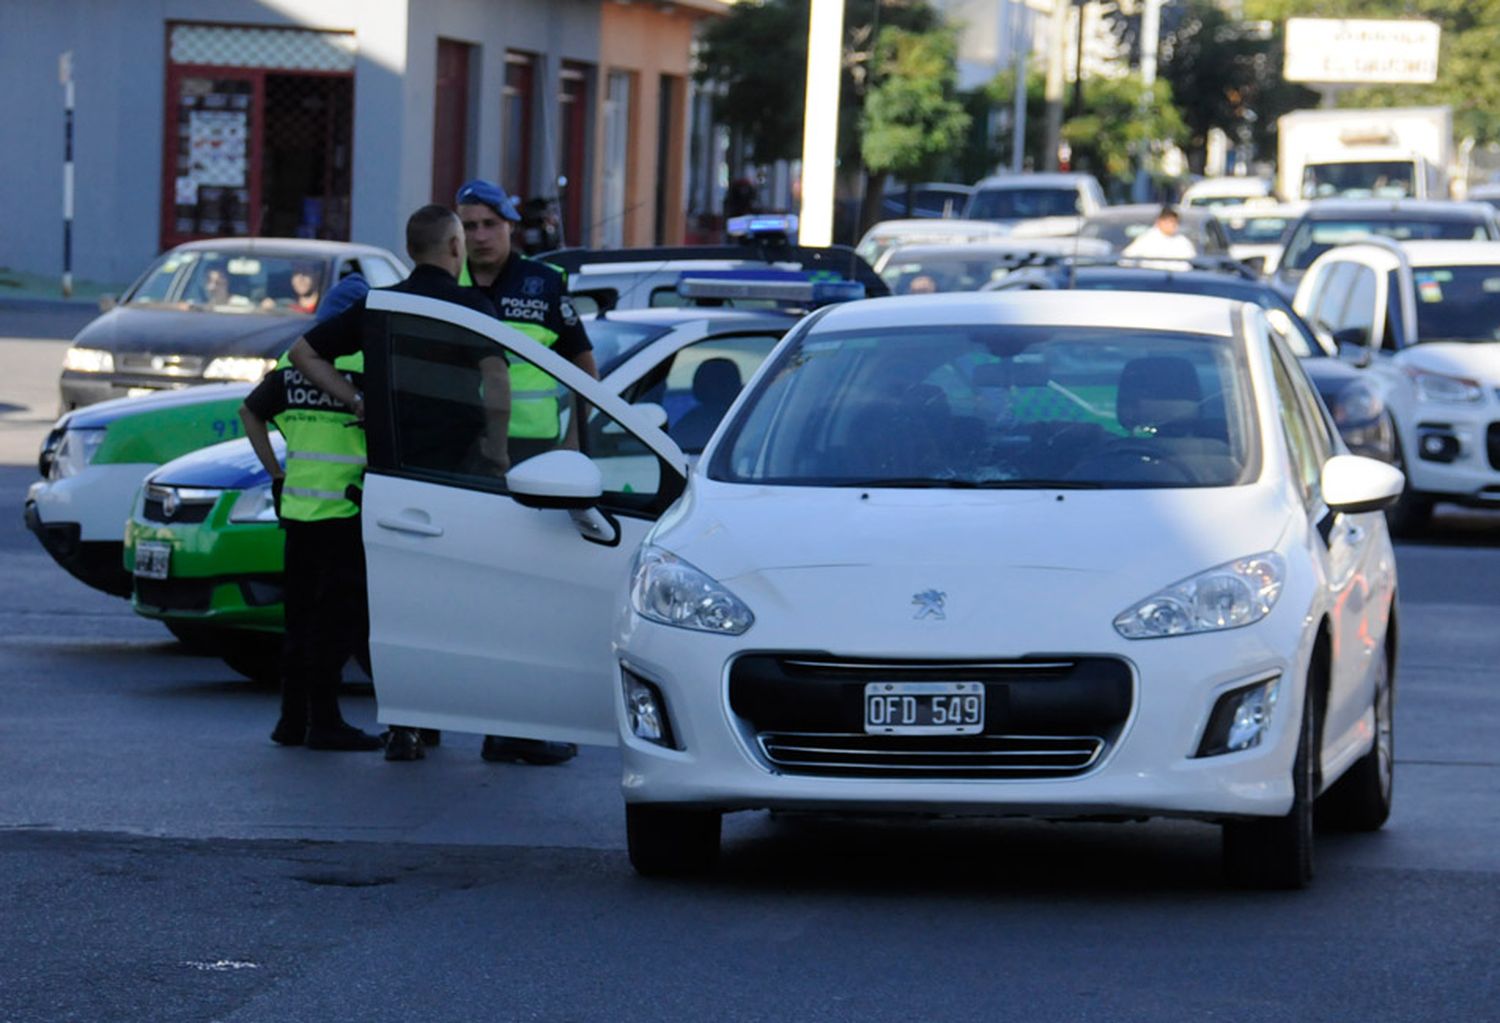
315,398
532,297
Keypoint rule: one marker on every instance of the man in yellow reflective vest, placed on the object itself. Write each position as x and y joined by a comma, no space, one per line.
532,297
321,417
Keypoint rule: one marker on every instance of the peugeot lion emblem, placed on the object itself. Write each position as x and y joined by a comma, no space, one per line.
169,504
929,604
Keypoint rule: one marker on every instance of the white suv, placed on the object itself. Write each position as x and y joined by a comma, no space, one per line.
1429,314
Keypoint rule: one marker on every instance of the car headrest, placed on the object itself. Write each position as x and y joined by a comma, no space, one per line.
716,382
1157,390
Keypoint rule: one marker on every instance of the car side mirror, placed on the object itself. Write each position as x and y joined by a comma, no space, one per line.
556,479
107,302
1257,264
1353,483
1352,336
650,414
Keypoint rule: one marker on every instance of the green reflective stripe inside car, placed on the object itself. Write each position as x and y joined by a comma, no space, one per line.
160,436
220,572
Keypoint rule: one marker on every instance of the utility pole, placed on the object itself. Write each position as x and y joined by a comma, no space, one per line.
820,121
1150,39
1057,56
1078,66
1020,43
65,75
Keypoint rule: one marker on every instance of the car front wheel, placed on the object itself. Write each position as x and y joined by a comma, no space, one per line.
669,841
1277,852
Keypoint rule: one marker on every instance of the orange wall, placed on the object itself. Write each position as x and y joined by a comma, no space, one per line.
649,39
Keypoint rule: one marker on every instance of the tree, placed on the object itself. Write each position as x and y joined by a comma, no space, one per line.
912,120
1108,138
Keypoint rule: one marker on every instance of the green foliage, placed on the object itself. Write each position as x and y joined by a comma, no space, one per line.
1468,74
1000,95
1105,139
757,54
912,119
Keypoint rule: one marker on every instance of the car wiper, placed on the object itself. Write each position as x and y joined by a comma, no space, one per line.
936,482
1039,485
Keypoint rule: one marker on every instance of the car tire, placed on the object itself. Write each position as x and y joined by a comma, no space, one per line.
201,640
255,655
669,841
1277,852
1412,513
1361,799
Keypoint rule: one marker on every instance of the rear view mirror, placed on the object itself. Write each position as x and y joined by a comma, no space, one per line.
556,479
107,302
1020,371
1353,483
1257,264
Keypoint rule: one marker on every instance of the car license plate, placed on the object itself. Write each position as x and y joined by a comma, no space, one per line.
924,708
152,559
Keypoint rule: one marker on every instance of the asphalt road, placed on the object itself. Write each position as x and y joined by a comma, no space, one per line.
162,861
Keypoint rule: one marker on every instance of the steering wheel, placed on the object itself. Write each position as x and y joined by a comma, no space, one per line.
1147,452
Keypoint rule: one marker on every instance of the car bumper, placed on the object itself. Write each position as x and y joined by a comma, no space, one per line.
80,521
1454,454
96,563
1147,769
219,573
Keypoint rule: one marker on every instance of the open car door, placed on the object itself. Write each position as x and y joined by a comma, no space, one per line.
487,615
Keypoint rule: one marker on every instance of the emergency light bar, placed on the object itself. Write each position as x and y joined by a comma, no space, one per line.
755,225
768,285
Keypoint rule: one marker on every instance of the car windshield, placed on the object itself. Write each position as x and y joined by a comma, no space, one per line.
615,341
221,282
1265,230
947,271
1121,231
1022,203
996,407
1312,238
1374,179
1299,336
1458,303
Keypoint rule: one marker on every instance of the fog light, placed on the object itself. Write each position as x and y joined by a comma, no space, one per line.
1240,719
1438,447
646,711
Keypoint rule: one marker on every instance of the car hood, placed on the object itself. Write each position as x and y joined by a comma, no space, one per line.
183,331
1479,360
93,417
231,465
1149,537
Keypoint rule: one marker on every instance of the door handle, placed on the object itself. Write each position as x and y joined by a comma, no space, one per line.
406,524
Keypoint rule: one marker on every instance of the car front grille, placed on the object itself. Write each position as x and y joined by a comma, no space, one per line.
175,594
1045,716
169,505
160,365
928,756
1492,444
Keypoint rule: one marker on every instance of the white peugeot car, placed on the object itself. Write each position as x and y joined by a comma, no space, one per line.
1059,554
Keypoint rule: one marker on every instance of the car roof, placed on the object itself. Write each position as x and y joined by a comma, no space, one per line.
1396,209
1193,314
1145,211
1053,179
1041,244
718,317
1452,253
316,247
1251,210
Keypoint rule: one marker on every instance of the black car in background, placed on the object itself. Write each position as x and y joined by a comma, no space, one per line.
212,311
1352,396
1331,222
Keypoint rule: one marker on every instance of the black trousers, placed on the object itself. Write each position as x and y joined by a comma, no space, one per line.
327,613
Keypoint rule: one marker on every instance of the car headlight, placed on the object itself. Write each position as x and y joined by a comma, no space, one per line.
236,367
1226,597
1356,405
255,504
666,589
1445,389
89,360
74,453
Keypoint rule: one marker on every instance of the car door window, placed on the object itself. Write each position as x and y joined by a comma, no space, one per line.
697,384
1395,323
1303,445
1359,310
447,420
1333,296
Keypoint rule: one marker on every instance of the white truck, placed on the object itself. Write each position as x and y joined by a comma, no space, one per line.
1394,153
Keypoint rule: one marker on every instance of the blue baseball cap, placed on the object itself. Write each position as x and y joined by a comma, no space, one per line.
487,193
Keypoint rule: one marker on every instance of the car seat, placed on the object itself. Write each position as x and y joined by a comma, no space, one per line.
716,383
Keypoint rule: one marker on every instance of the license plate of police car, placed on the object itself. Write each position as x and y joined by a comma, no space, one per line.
924,708
152,559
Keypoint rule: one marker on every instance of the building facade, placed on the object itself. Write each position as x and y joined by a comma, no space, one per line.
335,119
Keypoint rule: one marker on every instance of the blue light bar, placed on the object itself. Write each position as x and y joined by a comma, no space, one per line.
790,286
754,225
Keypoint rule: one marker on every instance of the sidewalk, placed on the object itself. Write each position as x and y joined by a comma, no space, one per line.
27,290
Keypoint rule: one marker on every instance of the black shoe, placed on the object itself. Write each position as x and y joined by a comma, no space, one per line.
341,737
431,736
404,744
504,749
289,733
